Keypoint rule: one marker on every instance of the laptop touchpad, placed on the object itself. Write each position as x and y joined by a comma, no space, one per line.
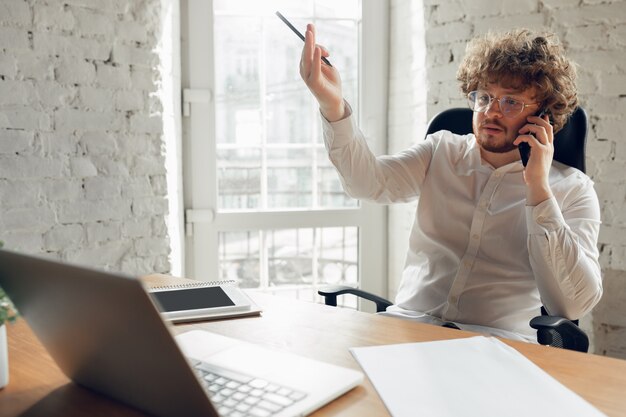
200,344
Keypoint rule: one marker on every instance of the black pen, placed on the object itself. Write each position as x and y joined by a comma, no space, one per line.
297,32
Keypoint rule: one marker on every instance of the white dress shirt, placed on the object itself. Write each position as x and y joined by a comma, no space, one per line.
477,254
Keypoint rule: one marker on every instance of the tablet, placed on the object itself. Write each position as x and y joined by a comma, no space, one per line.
201,301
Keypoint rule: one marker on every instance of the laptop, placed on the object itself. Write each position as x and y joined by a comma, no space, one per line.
105,334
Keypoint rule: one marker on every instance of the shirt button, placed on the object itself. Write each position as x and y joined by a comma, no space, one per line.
497,175
475,236
540,219
468,263
454,299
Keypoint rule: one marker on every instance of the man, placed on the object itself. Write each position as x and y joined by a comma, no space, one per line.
492,240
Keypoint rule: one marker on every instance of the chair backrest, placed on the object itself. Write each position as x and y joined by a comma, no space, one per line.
569,142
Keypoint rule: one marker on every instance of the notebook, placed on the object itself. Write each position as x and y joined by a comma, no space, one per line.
203,300
105,333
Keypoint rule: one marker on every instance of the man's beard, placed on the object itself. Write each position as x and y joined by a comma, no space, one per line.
496,148
491,146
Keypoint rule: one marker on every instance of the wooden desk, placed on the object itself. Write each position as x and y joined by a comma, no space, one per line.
38,388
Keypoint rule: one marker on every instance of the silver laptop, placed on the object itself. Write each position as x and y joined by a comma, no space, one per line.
105,333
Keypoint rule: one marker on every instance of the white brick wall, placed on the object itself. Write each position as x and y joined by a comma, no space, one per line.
594,33
82,174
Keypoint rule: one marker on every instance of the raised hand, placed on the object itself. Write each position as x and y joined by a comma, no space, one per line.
323,80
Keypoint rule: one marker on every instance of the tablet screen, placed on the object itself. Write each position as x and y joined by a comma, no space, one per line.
192,299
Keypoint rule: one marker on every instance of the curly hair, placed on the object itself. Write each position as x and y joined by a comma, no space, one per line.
522,59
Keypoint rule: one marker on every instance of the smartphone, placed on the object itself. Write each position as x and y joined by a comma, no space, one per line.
297,32
524,147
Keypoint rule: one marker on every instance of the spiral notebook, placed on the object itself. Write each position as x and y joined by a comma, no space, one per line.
203,300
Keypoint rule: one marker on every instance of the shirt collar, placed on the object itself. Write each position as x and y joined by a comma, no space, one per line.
470,160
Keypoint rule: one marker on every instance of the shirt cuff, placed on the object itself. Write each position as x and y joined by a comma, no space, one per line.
544,218
341,132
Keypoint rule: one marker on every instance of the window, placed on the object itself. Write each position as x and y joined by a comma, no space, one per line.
264,206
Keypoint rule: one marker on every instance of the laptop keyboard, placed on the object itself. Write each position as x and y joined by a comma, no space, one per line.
236,395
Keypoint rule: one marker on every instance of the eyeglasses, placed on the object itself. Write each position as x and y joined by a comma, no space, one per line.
480,101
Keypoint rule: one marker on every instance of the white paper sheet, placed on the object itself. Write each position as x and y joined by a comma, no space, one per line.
476,376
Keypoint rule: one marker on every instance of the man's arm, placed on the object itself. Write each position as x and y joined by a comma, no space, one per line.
383,179
562,244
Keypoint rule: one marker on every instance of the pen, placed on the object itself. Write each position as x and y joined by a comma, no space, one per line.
297,32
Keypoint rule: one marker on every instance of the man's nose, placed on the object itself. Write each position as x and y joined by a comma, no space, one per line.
493,109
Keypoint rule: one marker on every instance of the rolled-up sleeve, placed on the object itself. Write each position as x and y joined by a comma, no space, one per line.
562,244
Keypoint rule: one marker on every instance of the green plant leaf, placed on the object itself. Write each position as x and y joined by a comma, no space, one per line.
8,312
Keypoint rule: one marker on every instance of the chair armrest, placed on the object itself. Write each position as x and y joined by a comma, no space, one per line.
330,294
560,332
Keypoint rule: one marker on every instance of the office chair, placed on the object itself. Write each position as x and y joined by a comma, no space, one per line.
569,149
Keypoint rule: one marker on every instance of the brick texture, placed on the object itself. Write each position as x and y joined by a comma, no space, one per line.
81,163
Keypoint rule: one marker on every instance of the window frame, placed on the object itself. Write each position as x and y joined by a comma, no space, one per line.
203,222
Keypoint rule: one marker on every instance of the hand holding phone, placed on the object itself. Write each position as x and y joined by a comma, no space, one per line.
524,147
524,152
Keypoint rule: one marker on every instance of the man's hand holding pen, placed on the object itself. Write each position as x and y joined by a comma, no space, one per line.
323,80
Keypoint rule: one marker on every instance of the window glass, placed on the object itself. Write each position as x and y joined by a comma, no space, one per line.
268,130
269,145
239,258
298,260
239,178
